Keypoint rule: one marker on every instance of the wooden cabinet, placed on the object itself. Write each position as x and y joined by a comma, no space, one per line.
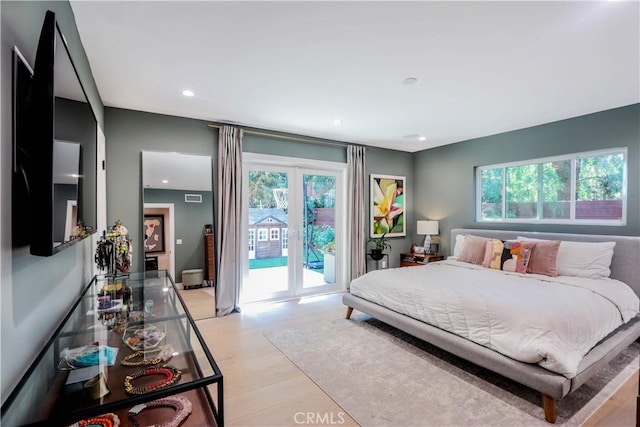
409,259
209,258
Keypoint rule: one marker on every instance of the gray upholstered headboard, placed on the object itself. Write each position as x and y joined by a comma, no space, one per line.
625,264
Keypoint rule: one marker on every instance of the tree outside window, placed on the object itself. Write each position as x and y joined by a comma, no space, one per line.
543,190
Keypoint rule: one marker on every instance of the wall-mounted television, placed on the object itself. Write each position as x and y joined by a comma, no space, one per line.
22,74
55,151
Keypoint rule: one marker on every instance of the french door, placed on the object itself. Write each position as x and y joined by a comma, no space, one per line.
293,216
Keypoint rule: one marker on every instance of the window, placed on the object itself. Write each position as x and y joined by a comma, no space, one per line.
285,238
262,235
275,234
252,239
583,188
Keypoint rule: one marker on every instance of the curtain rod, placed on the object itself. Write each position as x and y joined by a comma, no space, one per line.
291,138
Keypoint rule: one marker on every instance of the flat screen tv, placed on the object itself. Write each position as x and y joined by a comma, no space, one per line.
21,101
55,151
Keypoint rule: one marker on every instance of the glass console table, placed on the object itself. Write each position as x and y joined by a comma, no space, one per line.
119,315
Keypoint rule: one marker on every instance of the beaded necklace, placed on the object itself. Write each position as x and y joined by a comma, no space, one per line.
104,420
181,404
171,376
164,354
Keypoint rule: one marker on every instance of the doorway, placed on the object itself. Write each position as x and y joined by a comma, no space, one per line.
293,227
164,258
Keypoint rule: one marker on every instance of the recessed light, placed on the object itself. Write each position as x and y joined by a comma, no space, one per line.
409,81
337,122
164,181
422,138
188,93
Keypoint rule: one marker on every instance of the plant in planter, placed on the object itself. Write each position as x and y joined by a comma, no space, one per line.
329,248
329,258
379,245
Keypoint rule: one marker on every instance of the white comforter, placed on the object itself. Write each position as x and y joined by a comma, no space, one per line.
553,322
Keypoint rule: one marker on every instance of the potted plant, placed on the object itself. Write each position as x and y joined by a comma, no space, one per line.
379,245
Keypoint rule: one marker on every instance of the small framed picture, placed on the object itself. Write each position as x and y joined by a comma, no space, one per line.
154,233
419,250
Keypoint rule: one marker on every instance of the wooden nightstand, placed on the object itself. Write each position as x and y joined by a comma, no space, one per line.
410,259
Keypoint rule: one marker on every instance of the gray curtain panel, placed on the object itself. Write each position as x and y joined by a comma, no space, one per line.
357,209
229,216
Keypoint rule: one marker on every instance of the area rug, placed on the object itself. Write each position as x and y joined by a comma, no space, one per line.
381,376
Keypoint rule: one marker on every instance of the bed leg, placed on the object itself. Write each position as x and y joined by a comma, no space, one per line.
549,406
349,311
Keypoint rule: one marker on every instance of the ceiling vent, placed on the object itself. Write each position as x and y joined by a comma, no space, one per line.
193,198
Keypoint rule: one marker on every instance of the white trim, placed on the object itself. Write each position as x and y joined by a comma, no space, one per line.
295,167
171,236
251,243
339,226
69,222
267,159
274,234
570,156
266,234
101,194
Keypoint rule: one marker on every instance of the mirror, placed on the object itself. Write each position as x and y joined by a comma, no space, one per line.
74,151
66,175
178,207
54,153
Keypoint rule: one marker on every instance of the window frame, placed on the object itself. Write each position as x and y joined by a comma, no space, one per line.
274,234
259,237
285,238
573,157
252,239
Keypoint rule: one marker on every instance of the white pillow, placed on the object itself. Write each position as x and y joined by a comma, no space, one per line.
457,249
583,259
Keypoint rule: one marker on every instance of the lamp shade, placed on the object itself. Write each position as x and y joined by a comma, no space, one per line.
428,227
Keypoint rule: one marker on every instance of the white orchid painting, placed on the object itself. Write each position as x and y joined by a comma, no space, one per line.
388,205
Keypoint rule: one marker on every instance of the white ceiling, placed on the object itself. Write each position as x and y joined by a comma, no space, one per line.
482,67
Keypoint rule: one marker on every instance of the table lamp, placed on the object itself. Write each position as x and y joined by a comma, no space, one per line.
428,229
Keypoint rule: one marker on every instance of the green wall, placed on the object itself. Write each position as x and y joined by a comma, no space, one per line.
35,292
445,175
190,219
390,162
128,134
274,146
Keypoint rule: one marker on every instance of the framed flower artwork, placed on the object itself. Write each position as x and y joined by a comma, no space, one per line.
388,205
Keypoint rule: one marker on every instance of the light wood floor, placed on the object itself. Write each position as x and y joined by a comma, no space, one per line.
264,388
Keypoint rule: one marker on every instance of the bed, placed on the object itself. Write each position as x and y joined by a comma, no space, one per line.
601,314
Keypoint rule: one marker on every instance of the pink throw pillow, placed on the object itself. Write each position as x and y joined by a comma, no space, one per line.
474,249
543,257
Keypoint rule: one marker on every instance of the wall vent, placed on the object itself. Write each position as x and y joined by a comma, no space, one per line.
193,198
